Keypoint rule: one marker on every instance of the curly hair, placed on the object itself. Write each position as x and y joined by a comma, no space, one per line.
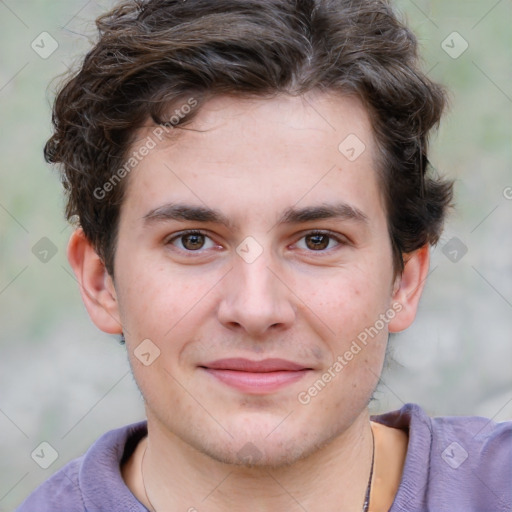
152,54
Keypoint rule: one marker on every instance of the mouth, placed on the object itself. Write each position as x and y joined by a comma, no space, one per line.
256,377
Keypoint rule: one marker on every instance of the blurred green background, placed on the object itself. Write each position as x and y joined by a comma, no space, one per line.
64,382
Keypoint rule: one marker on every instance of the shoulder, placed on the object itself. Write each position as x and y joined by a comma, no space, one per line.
474,455
453,463
92,482
482,439
60,492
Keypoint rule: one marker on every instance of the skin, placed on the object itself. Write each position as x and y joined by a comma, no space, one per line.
252,160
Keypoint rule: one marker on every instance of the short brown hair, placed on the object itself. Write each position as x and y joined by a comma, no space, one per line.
151,54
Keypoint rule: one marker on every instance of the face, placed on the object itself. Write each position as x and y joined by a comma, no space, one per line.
253,254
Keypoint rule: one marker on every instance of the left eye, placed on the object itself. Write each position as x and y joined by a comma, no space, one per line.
319,241
192,241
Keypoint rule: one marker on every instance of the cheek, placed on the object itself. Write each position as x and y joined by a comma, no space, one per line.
151,300
356,353
351,301
172,310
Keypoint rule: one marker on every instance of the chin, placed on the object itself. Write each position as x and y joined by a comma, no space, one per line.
267,451
253,456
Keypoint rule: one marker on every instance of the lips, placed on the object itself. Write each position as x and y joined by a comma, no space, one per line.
246,365
256,377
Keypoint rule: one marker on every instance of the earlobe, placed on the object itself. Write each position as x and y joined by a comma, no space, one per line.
96,285
408,288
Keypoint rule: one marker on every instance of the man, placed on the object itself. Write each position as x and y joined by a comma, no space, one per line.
256,208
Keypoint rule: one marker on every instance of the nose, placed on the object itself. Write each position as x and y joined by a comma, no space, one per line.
256,298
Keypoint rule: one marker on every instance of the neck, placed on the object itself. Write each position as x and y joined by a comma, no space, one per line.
178,477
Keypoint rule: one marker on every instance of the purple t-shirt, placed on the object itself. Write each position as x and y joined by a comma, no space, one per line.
453,464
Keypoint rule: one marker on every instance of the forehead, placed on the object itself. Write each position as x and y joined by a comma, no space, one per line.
318,120
271,153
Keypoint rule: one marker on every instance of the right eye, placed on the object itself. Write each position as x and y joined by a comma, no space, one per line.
191,241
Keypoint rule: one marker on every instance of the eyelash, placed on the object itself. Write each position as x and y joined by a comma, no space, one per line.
342,241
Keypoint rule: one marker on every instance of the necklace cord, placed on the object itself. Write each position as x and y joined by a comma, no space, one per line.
366,504
153,509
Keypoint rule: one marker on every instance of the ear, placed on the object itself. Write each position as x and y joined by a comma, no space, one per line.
408,288
96,285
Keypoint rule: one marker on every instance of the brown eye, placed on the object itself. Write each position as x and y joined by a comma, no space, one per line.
317,241
192,241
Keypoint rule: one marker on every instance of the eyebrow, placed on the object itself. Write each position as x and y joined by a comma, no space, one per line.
341,211
175,211
293,215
